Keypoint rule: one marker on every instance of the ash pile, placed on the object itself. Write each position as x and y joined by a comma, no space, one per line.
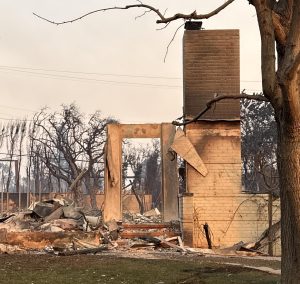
58,227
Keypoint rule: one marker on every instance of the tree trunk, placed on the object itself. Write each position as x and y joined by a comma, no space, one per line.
8,177
138,199
76,187
289,172
78,194
91,188
93,197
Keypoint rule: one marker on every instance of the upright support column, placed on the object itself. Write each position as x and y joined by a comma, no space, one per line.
169,174
18,183
112,178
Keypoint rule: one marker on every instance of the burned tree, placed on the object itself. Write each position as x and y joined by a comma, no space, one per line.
144,164
70,148
259,143
153,175
93,145
134,158
259,161
13,134
13,130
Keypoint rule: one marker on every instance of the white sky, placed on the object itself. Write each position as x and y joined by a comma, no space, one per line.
107,43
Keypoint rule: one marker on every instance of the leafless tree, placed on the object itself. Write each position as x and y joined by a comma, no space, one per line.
134,157
153,174
3,134
23,129
259,143
144,163
16,132
69,147
93,146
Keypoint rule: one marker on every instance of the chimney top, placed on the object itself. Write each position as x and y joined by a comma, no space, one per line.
193,25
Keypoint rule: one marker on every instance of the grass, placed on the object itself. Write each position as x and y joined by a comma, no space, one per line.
34,269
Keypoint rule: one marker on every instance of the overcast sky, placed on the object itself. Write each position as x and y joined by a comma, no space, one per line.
108,61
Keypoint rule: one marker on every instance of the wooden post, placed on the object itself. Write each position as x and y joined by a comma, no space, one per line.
33,190
113,190
40,189
28,190
270,218
207,235
7,199
2,190
59,185
170,187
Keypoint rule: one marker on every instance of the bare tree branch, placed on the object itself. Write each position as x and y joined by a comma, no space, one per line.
104,10
145,12
194,15
163,27
280,30
172,39
212,102
77,179
162,19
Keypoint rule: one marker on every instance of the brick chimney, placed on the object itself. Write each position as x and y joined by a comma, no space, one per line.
211,66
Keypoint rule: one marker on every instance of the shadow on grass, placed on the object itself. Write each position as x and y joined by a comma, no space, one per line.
216,273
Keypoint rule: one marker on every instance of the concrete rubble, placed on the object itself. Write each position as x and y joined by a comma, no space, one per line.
152,216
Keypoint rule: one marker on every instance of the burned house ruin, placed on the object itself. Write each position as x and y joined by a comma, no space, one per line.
213,195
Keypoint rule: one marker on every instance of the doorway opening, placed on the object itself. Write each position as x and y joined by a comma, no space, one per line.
141,180
113,183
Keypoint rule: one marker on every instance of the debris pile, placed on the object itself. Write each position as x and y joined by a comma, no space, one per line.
152,216
57,226
241,249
